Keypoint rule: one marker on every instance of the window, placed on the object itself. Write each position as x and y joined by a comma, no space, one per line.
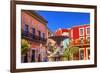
39,34
43,35
88,53
81,54
88,39
88,30
82,40
33,32
81,31
26,27
26,30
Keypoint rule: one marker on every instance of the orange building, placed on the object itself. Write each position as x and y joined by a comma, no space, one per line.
35,31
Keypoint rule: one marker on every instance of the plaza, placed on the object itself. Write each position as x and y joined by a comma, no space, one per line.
40,44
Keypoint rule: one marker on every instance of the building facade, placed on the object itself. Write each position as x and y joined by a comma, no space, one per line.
78,36
35,31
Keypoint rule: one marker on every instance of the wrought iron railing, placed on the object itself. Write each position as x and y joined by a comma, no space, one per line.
79,42
31,36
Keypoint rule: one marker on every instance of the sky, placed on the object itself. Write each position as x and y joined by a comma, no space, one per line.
62,20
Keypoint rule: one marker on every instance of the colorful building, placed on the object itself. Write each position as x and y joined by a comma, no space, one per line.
79,36
40,38
34,30
63,32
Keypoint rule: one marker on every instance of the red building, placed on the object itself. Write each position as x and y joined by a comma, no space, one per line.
63,32
79,36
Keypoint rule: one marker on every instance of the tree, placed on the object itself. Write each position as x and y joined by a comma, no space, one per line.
68,53
24,46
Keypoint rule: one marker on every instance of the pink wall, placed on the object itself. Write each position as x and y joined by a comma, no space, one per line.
32,22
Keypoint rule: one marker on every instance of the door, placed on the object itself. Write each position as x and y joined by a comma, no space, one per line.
33,56
26,58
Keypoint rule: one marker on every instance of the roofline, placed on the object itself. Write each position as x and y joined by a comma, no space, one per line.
80,25
36,16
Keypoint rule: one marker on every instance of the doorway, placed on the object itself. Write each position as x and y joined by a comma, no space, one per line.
33,56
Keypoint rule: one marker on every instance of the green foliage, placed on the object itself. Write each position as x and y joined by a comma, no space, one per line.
24,46
68,53
52,49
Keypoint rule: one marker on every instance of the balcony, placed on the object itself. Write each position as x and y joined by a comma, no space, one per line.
32,37
80,43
